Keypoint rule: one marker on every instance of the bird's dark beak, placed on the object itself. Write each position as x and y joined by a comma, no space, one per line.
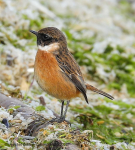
34,32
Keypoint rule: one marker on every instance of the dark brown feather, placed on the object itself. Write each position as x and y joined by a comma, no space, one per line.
90,87
71,69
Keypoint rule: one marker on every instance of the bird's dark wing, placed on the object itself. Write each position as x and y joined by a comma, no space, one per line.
71,69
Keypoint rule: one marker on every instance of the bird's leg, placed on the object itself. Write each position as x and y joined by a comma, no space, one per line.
62,117
62,109
66,110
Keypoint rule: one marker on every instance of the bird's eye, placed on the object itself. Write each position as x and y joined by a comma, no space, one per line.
45,36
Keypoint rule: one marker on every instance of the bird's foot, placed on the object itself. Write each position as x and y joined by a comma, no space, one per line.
59,120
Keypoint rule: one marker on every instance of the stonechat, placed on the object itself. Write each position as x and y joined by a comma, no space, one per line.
56,70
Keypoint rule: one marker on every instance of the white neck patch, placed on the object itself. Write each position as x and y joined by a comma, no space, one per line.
48,48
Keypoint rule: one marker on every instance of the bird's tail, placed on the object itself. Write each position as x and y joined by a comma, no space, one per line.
90,87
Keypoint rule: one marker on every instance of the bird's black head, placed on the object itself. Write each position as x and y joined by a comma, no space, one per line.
49,35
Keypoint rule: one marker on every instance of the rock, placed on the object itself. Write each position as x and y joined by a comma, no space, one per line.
55,144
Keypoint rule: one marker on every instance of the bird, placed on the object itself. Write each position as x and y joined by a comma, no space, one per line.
57,72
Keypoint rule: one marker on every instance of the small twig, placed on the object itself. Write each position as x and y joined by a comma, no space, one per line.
42,100
27,137
15,141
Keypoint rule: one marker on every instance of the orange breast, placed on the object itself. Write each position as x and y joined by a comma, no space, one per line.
51,79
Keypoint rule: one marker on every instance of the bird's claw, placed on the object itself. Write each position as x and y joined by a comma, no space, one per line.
59,120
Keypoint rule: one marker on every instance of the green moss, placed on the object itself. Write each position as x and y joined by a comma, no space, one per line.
11,109
62,135
120,49
27,96
36,91
47,142
36,23
108,125
20,140
23,34
3,144
120,103
40,108
108,49
115,85
66,141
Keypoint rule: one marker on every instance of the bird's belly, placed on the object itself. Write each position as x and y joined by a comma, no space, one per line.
51,79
